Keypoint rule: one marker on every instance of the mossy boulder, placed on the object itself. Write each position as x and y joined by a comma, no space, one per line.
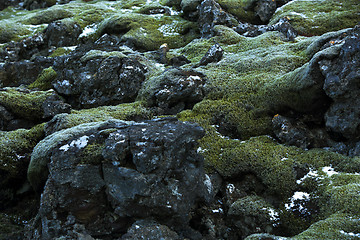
149,32
241,9
43,81
15,150
24,103
253,214
37,171
318,17
126,111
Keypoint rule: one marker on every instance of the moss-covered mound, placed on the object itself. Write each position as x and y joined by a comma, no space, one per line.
318,17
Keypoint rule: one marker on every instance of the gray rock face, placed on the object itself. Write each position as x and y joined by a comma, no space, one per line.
60,34
94,82
115,172
174,90
211,14
342,76
214,54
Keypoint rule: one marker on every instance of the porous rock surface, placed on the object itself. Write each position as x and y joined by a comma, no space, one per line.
179,119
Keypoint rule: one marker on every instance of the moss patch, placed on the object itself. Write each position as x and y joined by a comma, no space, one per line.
43,81
149,32
126,111
318,17
24,103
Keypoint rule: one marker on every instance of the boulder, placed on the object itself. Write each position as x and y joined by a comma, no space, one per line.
174,90
104,176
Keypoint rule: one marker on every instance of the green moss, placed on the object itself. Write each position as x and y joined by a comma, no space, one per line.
149,32
318,17
92,154
337,226
24,103
126,111
240,9
43,81
49,15
10,31
37,171
15,148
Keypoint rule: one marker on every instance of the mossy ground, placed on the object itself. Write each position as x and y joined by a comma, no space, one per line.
318,17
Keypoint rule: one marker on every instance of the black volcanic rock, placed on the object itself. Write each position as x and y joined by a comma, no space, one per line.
104,176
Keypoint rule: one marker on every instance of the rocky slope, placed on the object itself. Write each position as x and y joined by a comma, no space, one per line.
180,119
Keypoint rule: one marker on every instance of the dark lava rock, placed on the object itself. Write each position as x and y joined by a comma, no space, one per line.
211,14
147,229
6,3
54,105
342,77
24,49
106,176
291,133
214,54
179,61
174,90
94,82
265,9
283,26
62,33
14,74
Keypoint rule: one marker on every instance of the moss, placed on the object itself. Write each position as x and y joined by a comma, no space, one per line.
318,17
46,16
37,171
126,111
92,154
149,32
43,81
254,214
24,103
15,148
337,226
240,9
60,51
10,31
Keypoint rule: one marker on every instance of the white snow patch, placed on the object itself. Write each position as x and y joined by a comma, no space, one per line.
220,210
350,234
168,30
207,183
311,173
274,216
79,143
88,30
230,188
329,171
295,197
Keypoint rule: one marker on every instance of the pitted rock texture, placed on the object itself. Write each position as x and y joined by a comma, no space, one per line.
211,14
174,90
114,172
94,82
342,77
